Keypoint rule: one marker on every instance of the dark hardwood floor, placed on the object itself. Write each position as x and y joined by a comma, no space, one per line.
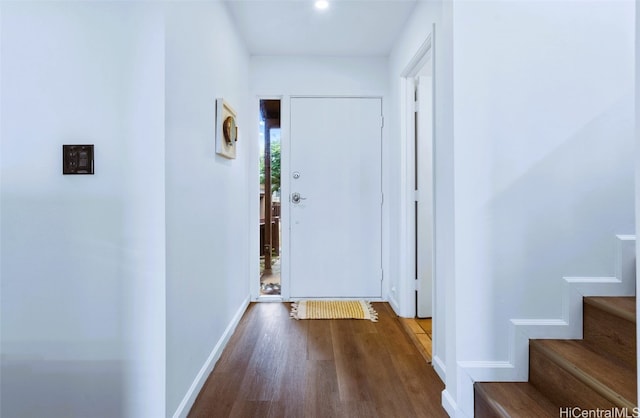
275,366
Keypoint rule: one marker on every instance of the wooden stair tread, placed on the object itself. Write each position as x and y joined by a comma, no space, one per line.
624,307
609,378
516,399
609,327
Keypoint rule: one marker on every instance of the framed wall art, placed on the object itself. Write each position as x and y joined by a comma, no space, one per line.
226,129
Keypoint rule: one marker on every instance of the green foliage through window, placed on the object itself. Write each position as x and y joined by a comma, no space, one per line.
275,167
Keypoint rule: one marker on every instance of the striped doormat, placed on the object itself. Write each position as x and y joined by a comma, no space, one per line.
333,309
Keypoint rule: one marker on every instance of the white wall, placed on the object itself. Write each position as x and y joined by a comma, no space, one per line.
543,159
207,196
1,141
285,76
637,178
144,262
71,264
118,289
316,75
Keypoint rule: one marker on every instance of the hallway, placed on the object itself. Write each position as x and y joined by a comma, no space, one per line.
278,367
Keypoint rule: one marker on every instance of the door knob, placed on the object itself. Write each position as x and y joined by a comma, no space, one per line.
296,198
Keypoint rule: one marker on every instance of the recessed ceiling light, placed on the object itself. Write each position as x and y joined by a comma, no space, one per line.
321,4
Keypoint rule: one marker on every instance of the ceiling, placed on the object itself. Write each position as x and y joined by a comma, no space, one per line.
295,27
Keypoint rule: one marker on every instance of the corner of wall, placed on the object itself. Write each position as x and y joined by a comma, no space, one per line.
189,398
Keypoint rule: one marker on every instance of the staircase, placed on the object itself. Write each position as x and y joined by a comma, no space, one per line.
597,372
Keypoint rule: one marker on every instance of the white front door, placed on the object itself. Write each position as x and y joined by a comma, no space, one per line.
336,197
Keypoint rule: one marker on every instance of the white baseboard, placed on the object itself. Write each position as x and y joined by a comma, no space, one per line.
449,404
439,367
569,326
394,304
206,369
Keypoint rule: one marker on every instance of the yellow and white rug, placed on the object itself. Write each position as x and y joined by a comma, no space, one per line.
333,309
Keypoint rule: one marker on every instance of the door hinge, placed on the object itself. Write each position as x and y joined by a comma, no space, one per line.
381,121
416,284
381,275
416,107
381,198
416,195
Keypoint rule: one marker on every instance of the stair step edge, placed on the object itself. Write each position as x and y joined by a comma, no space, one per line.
583,376
540,404
623,307
481,391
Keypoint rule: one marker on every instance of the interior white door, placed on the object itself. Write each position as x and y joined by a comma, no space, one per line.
336,197
425,212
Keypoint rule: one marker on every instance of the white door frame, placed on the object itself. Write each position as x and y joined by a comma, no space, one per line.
424,55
